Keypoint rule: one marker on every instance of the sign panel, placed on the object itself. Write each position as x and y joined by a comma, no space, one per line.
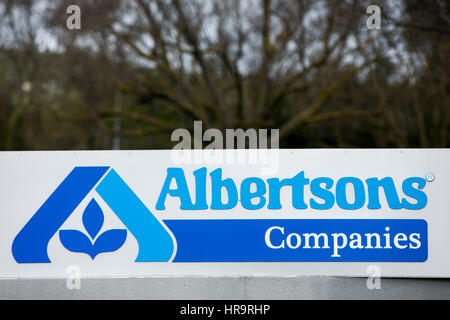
225,212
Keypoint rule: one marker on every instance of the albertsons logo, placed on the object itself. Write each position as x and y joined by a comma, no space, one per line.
227,239
155,243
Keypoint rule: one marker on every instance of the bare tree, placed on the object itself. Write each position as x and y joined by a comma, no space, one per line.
240,63
308,67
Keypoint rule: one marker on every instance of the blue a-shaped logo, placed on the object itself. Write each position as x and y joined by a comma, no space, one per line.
154,241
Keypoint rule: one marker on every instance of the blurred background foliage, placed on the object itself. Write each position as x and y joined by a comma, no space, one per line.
138,69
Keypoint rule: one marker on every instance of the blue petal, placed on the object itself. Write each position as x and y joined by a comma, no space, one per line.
76,241
93,218
110,240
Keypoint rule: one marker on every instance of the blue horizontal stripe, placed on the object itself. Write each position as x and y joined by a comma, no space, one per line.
244,240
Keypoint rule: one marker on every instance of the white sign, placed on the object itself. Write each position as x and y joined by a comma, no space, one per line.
140,213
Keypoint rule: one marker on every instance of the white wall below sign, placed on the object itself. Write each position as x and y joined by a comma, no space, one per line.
228,288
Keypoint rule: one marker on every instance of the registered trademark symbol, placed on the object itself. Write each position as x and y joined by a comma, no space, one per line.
430,176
